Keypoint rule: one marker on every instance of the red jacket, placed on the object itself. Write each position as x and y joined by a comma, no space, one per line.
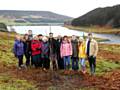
36,47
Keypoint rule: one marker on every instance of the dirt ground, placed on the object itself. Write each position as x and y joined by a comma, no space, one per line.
43,80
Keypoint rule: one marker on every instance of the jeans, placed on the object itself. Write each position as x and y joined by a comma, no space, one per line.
92,63
66,62
75,63
82,62
20,60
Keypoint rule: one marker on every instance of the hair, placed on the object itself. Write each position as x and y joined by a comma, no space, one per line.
25,36
89,34
50,33
64,38
29,30
40,35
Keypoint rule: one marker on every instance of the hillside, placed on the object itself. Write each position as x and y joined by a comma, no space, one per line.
3,27
108,16
9,16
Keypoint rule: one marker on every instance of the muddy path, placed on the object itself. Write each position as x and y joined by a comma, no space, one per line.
60,81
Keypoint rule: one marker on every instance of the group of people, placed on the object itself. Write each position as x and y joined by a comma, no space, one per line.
56,53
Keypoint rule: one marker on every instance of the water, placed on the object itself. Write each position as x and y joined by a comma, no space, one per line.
59,30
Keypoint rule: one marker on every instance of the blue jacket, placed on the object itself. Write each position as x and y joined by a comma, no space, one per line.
18,48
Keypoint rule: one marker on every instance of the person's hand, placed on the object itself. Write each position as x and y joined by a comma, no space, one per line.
37,48
94,56
29,53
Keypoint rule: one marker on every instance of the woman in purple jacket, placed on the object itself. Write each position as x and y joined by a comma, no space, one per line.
19,50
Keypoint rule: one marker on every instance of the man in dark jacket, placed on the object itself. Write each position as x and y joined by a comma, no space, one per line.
30,38
27,49
30,34
74,42
59,59
53,46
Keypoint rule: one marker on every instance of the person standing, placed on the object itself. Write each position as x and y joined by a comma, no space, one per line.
30,38
66,52
36,51
53,55
18,50
40,36
74,56
59,59
82,54
45,53
92,50
27,49
30,35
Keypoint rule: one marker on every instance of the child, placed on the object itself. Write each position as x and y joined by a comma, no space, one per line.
45,53
82,54
36,51
19,50
66,52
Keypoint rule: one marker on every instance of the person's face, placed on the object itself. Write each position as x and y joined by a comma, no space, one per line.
40,37
35,38
73,37
59,37
18,38
30,32
26,37
90,37
45,40
65,39
51,35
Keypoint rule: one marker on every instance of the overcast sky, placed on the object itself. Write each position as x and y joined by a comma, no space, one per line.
73,8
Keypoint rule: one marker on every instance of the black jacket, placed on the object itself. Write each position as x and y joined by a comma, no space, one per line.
53,45
74,48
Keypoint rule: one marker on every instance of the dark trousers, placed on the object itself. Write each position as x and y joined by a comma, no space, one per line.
40,62
29,59
60,62
20,60
27,56
36,60
46,63
75,63
54,64
92,63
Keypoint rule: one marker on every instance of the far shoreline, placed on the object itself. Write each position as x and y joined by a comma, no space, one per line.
98,30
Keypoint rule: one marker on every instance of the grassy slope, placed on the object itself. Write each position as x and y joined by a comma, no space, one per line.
9,81
95,29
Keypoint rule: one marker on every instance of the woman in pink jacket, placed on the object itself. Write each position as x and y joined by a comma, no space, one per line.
66,52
